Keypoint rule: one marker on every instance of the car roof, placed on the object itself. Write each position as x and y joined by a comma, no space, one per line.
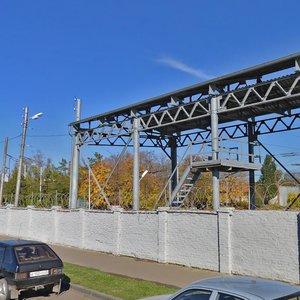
247,286
13,243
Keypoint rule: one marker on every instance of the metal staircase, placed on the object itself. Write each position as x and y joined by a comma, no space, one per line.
184,186
186,181
227,159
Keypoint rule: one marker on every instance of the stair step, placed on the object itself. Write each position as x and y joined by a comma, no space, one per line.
191,175
181,196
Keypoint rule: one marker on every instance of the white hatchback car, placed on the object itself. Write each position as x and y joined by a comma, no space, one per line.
234,288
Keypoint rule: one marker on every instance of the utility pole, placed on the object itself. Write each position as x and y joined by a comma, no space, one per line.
75,163
18,185
41,182
3,170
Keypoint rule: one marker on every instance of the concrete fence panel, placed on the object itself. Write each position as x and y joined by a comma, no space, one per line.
259,243
265,244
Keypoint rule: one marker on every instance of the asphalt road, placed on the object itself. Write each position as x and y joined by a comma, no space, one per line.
173,275
70,294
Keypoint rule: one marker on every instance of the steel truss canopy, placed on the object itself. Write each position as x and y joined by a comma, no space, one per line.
268,88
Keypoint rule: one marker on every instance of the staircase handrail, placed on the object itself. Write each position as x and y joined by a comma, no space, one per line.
171,176
178,164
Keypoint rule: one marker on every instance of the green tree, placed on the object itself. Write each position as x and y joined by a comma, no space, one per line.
269,180
98,157
63,166
38,172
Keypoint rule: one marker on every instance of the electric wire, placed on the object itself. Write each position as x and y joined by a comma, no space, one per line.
13,138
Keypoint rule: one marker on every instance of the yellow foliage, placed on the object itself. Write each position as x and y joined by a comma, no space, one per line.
122,184
101,172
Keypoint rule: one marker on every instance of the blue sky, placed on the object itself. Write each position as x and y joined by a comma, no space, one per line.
113,53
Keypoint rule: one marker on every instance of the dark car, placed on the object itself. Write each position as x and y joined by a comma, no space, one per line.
26,265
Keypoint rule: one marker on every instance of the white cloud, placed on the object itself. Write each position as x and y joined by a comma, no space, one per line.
178,65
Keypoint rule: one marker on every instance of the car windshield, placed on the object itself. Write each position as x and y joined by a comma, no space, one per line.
30,253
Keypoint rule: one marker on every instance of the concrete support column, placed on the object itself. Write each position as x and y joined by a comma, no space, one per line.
136,164
215,150
173,147
251,139
75,163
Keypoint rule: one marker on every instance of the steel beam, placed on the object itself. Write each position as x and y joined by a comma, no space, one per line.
251,140
277,95
266,126
173,148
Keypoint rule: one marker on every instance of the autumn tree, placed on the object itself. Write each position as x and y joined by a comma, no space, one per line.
122,181
119,189
101,171
234,190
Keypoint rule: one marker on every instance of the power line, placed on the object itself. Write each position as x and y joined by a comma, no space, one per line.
13,138
48,135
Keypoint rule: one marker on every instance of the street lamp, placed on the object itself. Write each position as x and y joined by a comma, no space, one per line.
144,174
25,125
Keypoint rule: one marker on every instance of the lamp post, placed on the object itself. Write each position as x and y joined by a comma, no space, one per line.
3,171
25,125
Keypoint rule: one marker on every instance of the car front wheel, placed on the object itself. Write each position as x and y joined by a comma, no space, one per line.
4,291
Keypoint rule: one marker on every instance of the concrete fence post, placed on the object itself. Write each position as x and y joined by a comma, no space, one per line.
162,234
82,217
224,239
9,217
117,215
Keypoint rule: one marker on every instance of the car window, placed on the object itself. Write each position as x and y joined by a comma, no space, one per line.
8,256
194,294
222,296
2,250
34,253
290,297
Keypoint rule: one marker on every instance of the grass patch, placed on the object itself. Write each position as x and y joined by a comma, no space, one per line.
117,286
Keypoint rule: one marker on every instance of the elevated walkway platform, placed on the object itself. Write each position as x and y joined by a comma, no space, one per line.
225,165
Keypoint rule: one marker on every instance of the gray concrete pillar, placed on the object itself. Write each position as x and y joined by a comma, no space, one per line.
75,163
136,164
215,150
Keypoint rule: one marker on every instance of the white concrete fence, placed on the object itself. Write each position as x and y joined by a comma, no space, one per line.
259,243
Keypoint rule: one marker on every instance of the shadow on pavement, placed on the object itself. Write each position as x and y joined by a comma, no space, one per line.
65,286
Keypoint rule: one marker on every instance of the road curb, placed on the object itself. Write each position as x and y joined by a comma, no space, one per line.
92,293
